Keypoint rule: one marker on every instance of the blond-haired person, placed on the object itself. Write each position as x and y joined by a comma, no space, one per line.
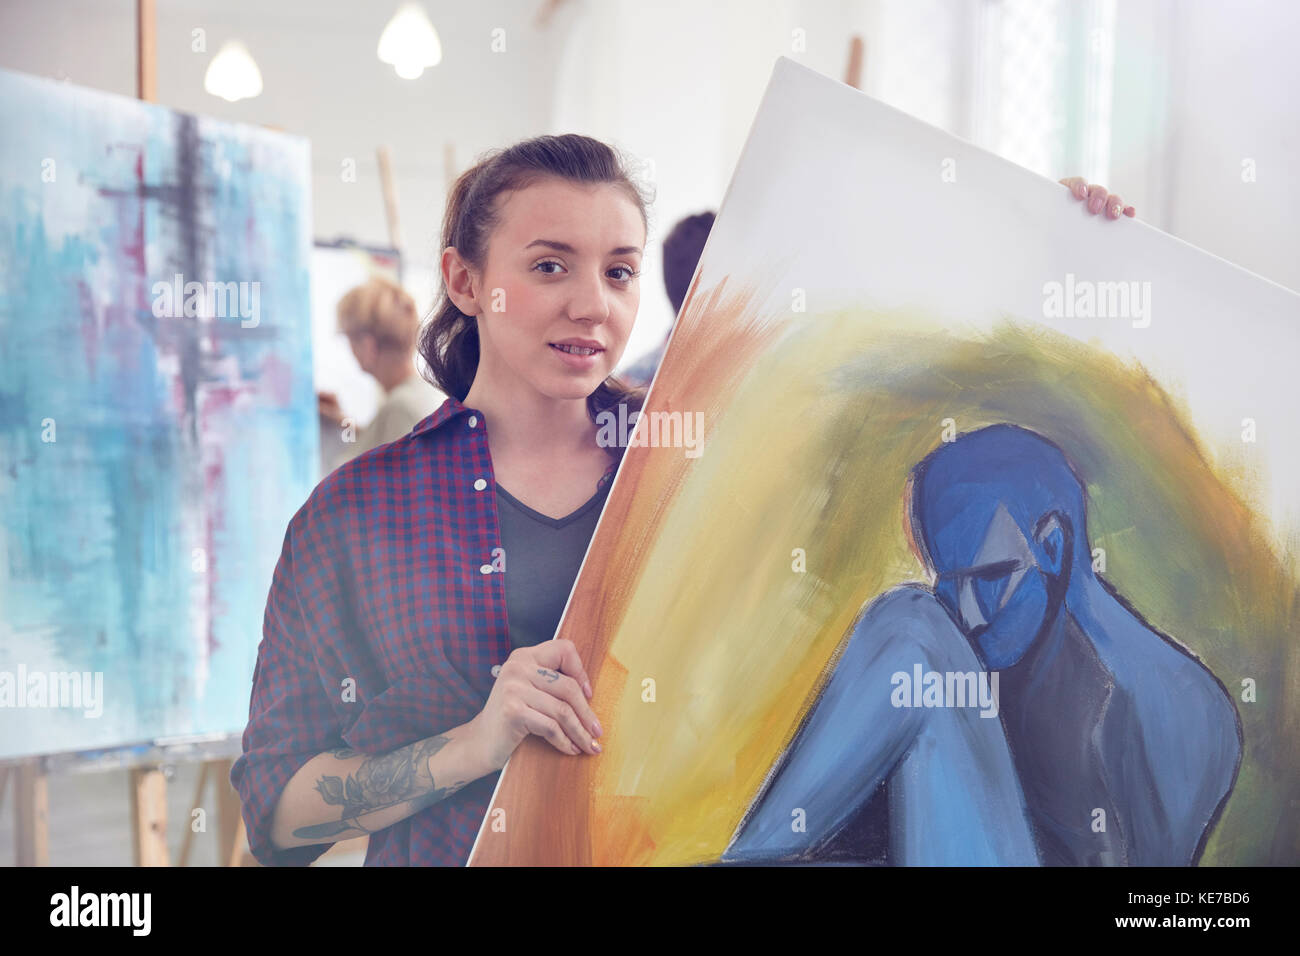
381,323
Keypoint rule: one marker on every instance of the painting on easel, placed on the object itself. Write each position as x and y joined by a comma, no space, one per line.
157,417
988,554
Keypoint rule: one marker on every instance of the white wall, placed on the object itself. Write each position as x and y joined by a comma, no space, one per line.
1233,99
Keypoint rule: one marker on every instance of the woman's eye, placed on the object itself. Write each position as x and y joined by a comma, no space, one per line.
628,277
547,262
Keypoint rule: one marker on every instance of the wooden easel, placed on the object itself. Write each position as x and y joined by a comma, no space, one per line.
147,785
31,812
231,849
146,73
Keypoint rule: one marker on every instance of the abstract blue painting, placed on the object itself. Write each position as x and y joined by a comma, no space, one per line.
157,419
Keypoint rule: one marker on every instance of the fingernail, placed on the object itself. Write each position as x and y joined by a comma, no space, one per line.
1116,209
586,686
595,726
595,746
1096,204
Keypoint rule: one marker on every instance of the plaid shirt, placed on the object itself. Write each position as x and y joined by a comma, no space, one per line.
385,578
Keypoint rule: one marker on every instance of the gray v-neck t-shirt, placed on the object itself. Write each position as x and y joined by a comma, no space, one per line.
542,558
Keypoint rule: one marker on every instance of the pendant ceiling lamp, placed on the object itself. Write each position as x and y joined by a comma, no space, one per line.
233,74
410,43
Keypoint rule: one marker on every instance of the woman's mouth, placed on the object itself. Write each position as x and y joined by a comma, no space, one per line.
578,357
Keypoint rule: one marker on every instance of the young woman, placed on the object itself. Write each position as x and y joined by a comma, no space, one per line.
400,667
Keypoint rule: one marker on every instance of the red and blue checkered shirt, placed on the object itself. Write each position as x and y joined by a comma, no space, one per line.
386,578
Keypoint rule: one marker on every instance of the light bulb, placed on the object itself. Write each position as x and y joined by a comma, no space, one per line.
232,74
409,42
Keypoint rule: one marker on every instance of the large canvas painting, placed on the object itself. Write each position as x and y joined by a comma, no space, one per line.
157,419
960,527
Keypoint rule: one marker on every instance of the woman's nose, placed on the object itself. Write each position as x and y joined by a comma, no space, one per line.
590,301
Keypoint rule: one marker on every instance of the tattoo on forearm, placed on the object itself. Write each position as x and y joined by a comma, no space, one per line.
551,676
381,782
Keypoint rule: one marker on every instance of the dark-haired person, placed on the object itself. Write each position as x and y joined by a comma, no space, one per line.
400,666
682,250
381,324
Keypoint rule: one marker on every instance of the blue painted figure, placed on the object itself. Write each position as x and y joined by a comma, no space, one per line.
948,792
1126,745
1115,745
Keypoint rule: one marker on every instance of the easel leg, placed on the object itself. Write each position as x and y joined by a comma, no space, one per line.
149,816
230,824
237,853
195,804
31,816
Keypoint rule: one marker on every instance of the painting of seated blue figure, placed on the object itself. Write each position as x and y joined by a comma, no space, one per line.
157,419
988,555
1091,696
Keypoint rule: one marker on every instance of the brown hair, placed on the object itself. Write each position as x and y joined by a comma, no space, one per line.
449,342
383,309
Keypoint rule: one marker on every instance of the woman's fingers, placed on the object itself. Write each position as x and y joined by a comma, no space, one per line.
561,655
566,689
1098,198
559,712
538,723
550,683
1077,186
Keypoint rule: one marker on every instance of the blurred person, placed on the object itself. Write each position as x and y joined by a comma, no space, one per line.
380,321
682,250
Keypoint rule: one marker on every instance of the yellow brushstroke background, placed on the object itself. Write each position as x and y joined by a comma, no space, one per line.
811,452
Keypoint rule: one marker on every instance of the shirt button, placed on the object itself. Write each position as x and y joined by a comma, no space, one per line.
496,670
480,484
473,420
485,569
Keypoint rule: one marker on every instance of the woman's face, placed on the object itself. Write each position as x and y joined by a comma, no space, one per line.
561,271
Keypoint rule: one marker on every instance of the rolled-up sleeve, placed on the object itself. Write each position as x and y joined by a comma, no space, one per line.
291,715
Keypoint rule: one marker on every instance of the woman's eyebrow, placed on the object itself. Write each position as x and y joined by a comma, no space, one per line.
565,247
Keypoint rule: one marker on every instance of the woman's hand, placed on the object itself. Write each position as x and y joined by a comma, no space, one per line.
540,690
1098,199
